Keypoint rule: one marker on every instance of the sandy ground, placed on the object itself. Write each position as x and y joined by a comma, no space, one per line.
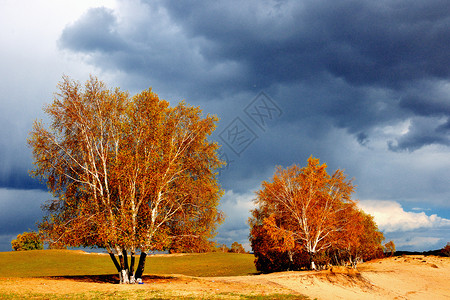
406,277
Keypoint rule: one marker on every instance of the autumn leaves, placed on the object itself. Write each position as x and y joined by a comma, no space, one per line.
305,216
132,174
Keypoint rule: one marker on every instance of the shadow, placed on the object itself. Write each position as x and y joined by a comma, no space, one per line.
256,273
109,278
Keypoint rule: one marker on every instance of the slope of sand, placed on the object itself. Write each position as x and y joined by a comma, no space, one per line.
405,277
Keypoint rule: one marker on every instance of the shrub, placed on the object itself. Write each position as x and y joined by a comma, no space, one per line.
389,248
446,250
27,241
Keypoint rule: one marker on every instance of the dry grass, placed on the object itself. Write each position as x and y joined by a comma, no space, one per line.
406,277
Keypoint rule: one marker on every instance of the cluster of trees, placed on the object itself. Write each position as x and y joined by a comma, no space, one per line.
306,218
129,174
235,248
134,175
27,241
211,246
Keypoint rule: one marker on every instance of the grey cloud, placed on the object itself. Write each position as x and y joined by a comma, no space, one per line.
427,98
237,209
17,176
422,131
15,158
20,210
96,30
362,138
419,240
364,42
342,73
333,51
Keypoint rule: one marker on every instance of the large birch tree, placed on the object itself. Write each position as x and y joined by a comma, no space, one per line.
126,172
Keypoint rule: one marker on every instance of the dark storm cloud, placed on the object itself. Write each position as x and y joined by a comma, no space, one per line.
362,85
15,158
430,102
386,46
337,54
18,178
19,212
359,66
422,132
364,42
429,98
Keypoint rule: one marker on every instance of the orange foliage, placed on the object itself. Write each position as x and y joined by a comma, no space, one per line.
389,248
446,250
306,212
129,173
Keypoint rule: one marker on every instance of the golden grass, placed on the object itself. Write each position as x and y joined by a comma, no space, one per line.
76,263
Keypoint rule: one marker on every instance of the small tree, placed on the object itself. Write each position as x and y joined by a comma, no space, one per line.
446,250
237,248
223,248
389,248
27,241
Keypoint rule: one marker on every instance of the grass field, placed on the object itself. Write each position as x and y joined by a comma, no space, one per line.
68,274
53,274
76,263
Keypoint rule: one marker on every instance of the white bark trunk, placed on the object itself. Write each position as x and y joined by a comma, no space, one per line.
124,277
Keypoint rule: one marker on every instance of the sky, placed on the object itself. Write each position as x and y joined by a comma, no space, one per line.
362,85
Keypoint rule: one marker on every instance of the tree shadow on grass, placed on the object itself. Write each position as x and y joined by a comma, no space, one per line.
111,278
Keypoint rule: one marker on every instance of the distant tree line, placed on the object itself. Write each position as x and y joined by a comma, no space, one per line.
209,246
235,248
445,252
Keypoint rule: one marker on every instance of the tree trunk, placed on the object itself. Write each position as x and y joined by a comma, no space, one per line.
125,260
125,270
124,275
311,260
116,263
291,259
131,268
140,267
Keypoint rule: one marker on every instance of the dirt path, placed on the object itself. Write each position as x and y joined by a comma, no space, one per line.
409,277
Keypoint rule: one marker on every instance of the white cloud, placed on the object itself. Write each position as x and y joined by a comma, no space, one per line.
398,129
236,206
410,230
390,217
418,242
32,65
237,211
